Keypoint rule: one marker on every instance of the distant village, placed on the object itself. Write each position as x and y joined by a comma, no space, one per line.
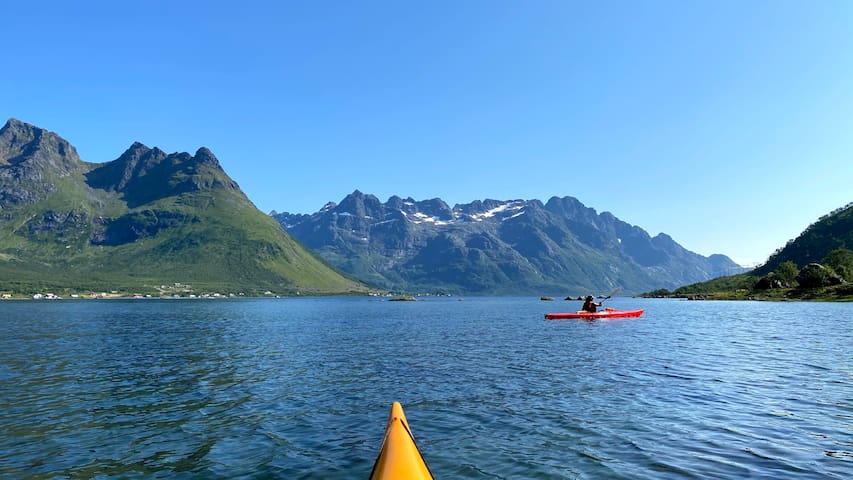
176,290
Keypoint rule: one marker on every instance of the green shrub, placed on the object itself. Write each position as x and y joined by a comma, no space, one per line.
815,275
841,260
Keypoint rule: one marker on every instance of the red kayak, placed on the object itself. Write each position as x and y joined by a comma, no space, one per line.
606,313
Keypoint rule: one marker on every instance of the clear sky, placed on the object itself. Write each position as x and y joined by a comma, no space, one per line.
725,124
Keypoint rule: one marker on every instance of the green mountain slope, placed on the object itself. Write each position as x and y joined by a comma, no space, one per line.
141,222
831,233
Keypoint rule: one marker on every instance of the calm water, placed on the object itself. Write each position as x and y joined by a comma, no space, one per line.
300,388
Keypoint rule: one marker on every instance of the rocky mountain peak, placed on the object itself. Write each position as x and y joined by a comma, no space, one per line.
204,155
115,175
37,151
435,207
144,174
137,150
359,204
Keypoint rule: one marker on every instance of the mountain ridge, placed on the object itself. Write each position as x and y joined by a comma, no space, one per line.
829,232
143,220
494,246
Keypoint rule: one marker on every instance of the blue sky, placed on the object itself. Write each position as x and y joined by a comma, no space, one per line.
725,124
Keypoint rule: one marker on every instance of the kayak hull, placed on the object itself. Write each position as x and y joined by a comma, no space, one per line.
593,315
399,457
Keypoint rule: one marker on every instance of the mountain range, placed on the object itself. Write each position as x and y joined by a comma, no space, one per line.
146,221
154,221
496,247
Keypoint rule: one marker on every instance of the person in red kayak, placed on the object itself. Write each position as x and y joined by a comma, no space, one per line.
589,304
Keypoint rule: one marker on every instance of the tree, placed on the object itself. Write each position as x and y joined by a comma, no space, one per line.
841,260
815,275
787,272
661,292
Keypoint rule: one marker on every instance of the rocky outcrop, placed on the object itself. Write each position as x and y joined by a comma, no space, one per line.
36,151
815,275
31,158
771,281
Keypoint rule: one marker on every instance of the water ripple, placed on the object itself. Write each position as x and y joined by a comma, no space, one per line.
299,389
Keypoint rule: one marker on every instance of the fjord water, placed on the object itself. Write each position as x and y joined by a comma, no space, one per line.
300,388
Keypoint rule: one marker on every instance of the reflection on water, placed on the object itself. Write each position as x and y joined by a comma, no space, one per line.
299,388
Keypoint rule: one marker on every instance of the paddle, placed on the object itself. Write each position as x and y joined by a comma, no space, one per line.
615,292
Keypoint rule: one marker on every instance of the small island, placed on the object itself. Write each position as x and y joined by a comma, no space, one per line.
402,298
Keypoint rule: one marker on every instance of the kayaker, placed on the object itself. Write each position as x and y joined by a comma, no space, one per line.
589,304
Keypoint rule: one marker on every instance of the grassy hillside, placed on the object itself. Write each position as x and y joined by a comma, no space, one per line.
817,265
143,223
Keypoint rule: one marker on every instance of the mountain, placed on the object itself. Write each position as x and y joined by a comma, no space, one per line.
143,222
496,247
826,243
830,232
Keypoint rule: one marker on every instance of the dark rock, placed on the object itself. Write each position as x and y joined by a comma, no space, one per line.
31,158
771,281
815,275
143,175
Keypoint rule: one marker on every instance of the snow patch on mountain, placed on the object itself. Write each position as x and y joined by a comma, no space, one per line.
514,216
506,207
423,218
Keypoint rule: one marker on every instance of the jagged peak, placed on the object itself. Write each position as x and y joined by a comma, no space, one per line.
15,123
394,202
17,127
204,155
20,126
564,201
136,150
32,132
153,155
359,197
138,153
24,142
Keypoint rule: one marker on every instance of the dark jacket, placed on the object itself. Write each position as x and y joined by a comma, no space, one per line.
590,306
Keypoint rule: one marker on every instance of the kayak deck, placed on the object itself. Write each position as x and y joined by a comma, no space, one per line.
608,313
399,457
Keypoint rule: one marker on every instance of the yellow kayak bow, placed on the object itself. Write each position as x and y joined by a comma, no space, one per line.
399,457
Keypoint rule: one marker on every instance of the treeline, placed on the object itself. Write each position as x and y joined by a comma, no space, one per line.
832,231
818,264
831,279
835,269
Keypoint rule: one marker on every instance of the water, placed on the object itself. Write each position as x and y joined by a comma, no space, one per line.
300,389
